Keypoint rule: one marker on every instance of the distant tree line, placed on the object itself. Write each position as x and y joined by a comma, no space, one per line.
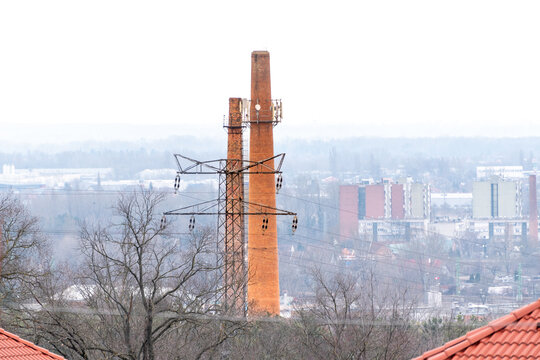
450,161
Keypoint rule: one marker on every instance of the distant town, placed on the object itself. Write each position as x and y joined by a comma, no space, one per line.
466,252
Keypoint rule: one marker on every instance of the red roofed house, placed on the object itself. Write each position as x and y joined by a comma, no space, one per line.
13,347
514,336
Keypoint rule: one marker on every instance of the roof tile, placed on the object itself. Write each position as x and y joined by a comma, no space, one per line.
519,313
458,347
502,322
12,346
440,356
476,335
511,337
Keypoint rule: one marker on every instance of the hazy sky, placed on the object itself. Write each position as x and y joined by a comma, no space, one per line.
72,70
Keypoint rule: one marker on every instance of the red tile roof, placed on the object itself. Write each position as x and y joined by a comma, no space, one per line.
13,347
514,336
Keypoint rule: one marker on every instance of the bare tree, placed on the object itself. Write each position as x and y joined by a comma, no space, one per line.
355,317
436,330
20,245
142,292
268,338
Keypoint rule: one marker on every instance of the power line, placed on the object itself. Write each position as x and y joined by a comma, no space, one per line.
492,245
54,192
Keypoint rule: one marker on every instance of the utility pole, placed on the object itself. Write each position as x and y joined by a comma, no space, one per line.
231,212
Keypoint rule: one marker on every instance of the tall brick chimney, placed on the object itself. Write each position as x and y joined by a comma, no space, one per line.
235,270
263,285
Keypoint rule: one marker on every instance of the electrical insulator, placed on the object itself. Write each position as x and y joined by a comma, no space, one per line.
264,226
176,183
294,224
163,222
191,223
279,183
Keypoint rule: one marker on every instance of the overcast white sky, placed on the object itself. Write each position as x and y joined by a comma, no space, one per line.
72,70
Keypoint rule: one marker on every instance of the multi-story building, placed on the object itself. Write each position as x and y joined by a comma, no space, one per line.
388,208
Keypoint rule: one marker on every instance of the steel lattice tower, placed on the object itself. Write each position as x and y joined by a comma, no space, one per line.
232,222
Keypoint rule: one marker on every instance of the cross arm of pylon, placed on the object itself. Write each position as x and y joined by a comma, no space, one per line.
210,208
202,208
264,166
260,209
187,165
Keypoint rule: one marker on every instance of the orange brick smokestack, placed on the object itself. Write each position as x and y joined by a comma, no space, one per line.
235,270
263,285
